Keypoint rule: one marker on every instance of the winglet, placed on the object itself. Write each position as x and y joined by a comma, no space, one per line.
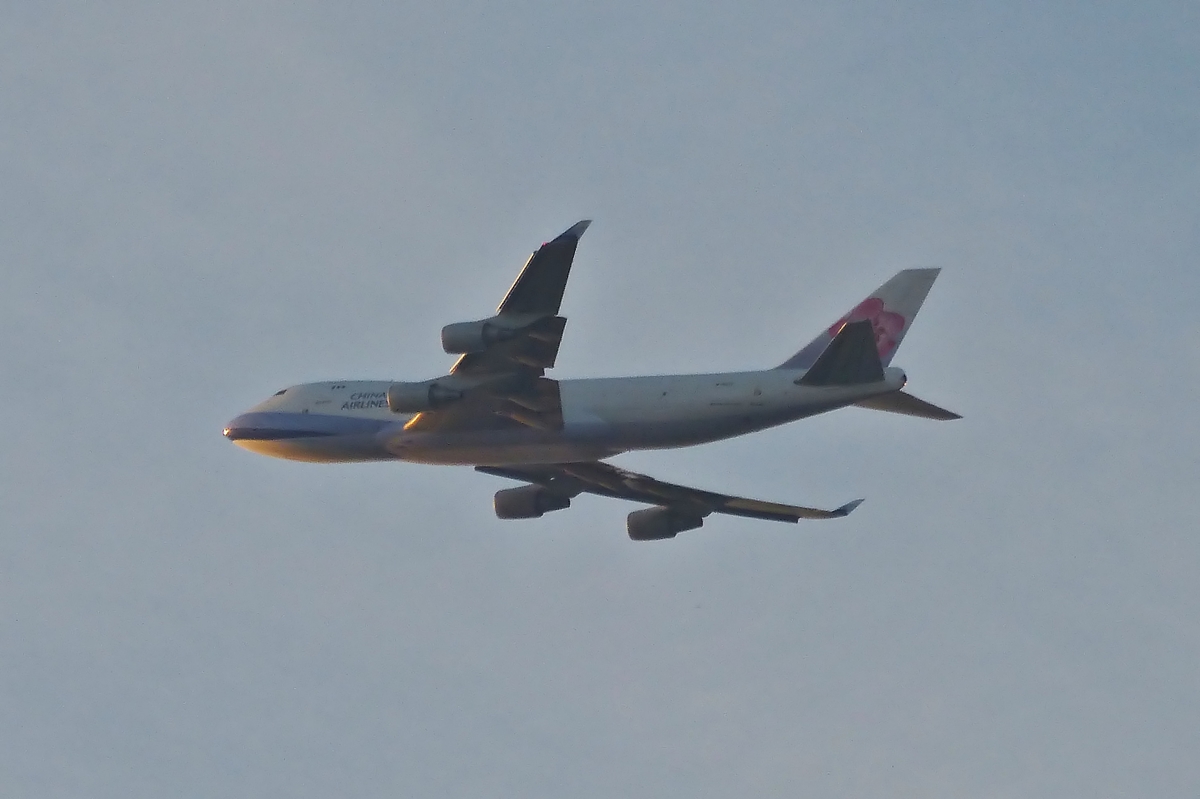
846,509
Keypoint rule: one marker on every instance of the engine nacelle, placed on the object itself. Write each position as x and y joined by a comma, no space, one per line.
462,337
655,524
528,502
420,397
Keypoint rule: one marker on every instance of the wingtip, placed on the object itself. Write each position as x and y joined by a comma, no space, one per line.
576,230
928,272
846,509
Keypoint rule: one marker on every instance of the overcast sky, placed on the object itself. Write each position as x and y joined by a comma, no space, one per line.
203,203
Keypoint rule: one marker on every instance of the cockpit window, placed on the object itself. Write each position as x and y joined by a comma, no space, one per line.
280,392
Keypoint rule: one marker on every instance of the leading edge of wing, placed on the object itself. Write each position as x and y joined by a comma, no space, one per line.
602,479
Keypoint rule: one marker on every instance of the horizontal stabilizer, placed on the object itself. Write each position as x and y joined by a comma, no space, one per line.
900,402
850,359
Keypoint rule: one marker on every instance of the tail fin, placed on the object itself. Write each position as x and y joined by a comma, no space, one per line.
890,309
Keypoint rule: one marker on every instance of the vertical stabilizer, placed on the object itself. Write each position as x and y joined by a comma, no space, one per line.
890,310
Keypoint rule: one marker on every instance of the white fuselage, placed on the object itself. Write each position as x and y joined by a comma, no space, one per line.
350,420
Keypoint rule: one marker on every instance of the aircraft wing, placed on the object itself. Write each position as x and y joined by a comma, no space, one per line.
506,381
536,294
606,480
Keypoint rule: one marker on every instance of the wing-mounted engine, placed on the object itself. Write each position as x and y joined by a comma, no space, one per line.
505,342
528,502
656,524
428,395
464,337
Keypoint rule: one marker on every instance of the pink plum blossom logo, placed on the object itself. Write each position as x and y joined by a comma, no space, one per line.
888,325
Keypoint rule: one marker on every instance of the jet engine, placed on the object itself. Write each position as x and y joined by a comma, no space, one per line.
528,502
462,337
655,524
419,397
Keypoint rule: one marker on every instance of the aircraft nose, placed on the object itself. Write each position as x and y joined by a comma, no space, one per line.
235,427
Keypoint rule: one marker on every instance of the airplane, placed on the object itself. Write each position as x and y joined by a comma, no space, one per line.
497,411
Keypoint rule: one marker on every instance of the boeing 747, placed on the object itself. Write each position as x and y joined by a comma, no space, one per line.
497,410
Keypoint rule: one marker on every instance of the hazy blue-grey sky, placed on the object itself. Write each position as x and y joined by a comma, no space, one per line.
201,205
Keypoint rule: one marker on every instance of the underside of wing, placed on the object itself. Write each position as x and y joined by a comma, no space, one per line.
527,321
499,380
603,479
540,286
